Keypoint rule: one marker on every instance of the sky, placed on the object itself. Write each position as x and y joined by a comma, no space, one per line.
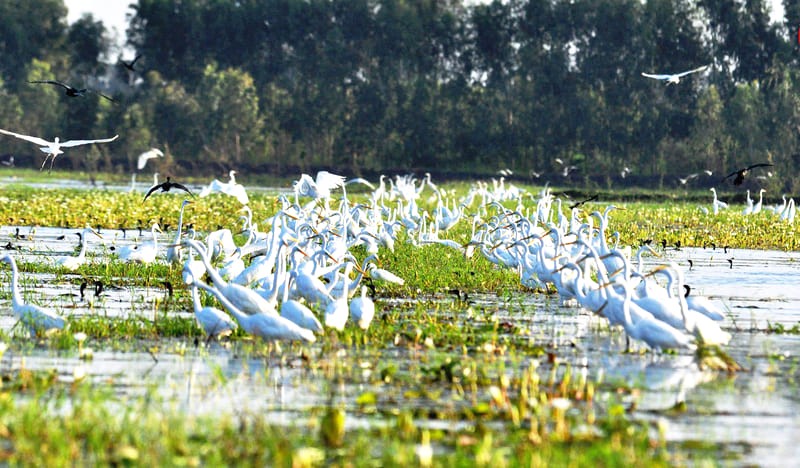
112,13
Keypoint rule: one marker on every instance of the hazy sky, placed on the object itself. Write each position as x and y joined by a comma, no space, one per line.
112,12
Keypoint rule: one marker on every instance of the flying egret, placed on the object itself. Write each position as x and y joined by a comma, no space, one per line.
319,188
53,148
37,319
675,78
69,90
146,156
166,186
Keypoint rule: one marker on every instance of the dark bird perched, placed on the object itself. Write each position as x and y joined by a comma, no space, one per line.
129,65
741,173
166,186
69,90
577,204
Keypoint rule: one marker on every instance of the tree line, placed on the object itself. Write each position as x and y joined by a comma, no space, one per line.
546,88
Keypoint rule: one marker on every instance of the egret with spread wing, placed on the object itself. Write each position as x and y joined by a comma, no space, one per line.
146,156
674,78
53,148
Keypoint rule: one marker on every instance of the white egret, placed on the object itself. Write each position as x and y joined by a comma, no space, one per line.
384,275
71,262
243,299
230,188
264,326
674,78
748,209
152,153
142,253
760,202
319,188
362,309
37,319
174,255
655,333
215,322
53,148
297,312
337,312
702,304
717,204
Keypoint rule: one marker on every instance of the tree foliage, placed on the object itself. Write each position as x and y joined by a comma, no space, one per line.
365,86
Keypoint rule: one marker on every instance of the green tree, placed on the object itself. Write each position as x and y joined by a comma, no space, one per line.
29,29
232,124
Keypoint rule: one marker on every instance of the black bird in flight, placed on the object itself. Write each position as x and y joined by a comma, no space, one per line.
69,90
166,186
129,65
577,204
741,173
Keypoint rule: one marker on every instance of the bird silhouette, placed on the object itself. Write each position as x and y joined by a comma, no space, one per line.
741,173
166,186
71,91
129,65
580,203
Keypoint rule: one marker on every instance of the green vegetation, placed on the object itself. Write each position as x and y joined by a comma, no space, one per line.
431,359
456,87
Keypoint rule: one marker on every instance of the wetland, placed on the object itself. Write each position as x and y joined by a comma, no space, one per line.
462,364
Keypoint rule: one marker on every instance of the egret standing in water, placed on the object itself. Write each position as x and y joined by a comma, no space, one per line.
215,322
37,319
72,263
53,148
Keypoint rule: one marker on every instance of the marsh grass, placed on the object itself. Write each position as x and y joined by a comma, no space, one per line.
430,357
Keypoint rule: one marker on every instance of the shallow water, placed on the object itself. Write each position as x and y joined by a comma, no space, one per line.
755,413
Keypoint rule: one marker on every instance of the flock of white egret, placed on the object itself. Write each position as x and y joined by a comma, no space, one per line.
301,275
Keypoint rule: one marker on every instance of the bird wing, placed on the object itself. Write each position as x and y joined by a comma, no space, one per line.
67,144
360,180
153,189
327,181
692,71
758,165
103,95
305,185
32,139
731,174
149,154
52,82
182,187
657,77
